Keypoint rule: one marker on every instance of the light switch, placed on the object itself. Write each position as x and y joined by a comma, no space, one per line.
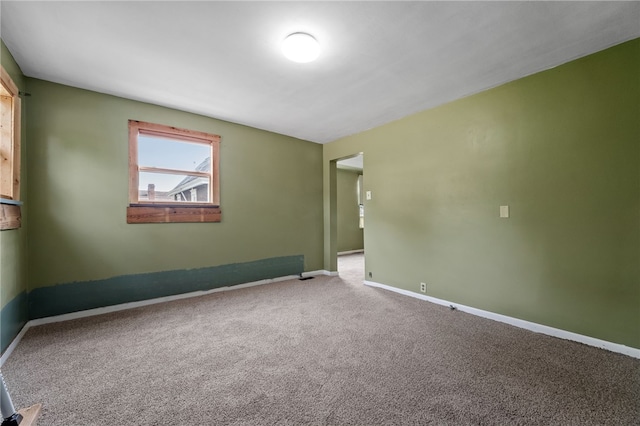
504,211
368,195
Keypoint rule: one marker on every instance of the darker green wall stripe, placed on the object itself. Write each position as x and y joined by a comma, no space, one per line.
78,296
12,318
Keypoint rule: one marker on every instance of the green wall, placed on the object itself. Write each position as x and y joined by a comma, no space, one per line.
13,261
350,236
271,201
562,149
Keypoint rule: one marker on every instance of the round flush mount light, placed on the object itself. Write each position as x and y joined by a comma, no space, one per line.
300,47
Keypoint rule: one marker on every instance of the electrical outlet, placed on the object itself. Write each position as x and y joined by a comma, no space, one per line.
370,274
423,287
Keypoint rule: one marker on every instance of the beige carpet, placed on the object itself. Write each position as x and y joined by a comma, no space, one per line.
322,351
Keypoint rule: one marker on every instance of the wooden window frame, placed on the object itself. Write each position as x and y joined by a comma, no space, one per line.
172,212
10,212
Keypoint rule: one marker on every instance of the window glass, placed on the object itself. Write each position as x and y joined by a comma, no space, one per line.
173,188
166,153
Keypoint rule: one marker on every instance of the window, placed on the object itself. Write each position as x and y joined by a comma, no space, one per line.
173,175
10,217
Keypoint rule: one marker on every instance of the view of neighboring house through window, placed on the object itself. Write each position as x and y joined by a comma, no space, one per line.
167,167
173,165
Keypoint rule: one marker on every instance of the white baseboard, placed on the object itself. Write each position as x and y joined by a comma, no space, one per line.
532,326
13,344
131,305
320,272
341,253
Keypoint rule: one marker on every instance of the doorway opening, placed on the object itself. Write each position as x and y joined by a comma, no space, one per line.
350,216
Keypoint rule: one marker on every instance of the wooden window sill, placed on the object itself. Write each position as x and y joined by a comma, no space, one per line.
10,214
164,213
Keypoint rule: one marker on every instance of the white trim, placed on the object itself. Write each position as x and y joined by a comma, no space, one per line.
132,305
13,344
340,253
532,326
320,272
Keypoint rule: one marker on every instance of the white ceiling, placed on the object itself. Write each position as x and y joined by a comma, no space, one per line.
380,61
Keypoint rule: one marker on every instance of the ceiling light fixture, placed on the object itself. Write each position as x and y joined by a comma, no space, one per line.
300,47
